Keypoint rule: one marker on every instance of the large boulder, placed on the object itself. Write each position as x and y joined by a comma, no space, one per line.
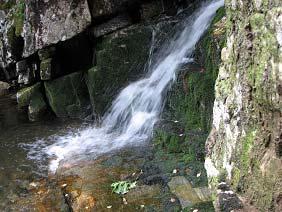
120,59
68,95
33,98
244,147
37,108
24,95
48,22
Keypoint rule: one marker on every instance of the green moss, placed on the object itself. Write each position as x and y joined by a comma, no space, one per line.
236,176
7,5
19,17
24,95
120,59
247,145
11,36
171,142
201,207
37,107
191,101
68,96
46,69
265,47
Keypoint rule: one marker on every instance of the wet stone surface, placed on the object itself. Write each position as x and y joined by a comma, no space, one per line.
86,186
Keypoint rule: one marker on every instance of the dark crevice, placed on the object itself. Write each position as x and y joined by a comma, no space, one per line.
73,55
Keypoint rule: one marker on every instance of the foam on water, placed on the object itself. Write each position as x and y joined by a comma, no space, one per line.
136,109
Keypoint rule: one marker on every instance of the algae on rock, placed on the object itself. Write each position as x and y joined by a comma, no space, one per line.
121,58
246,137
186,121
68,96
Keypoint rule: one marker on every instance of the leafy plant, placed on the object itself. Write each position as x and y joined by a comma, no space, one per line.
122,187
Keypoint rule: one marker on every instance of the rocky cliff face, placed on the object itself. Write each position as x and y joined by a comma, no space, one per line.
64,45
50,21
244,147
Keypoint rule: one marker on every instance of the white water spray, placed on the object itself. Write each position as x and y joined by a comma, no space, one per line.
136,109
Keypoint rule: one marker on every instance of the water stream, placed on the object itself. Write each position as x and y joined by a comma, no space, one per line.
136,109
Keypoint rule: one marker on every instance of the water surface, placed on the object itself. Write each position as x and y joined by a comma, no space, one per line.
17,134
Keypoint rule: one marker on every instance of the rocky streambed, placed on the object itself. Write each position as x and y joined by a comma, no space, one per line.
166,181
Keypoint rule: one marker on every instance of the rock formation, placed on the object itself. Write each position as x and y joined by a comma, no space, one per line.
244,146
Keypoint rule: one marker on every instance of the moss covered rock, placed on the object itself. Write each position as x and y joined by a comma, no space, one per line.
46,69
244,147
68,96
187,117
33,98
37,108
120,59
24,95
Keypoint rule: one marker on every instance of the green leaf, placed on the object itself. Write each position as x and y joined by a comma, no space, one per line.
122,187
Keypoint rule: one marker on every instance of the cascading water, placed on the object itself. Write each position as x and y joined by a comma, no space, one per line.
136,109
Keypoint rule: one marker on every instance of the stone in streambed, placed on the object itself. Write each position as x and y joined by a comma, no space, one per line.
24,95
33,98
186,194
4,88
68,96
37,108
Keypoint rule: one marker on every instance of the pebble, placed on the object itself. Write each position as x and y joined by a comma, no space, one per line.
124,201
64,185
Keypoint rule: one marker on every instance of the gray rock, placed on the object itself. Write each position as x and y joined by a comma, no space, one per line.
26,74
49,22
151,9
10,43
46,53
181,187
112,25
100,8
24,95
68,95
21,66
46,69
186,194
37,107
4,88
121,57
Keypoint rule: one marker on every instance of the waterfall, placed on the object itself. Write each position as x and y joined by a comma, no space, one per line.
133,113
